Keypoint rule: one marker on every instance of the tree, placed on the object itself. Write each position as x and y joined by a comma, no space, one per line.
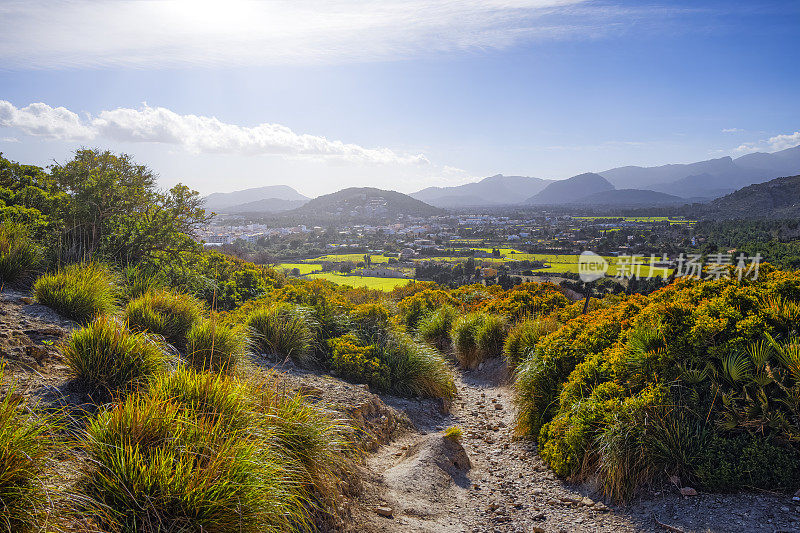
116,211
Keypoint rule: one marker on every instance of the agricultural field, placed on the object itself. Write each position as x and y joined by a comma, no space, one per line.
642,219
304,268
380,284
341,258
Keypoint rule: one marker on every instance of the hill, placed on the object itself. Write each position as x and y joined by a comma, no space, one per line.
778,198
267,206
630,198
366,202
711,178
494,190
221,201
570,190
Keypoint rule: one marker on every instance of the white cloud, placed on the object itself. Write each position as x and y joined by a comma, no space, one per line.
9,140
43,120
83,33
732,130
773,144
197,134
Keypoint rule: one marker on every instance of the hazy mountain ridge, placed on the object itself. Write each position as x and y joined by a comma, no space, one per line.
494,190
570,190
219,201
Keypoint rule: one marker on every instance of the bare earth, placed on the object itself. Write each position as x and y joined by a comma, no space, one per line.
411,473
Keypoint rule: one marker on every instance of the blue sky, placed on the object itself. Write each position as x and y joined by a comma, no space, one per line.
400,95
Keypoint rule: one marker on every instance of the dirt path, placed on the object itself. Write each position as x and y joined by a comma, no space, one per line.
507,488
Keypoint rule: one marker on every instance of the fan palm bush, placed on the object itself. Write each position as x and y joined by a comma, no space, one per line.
19,255
25,440
434,328
283,330
109,359
166,313
80,291
213,346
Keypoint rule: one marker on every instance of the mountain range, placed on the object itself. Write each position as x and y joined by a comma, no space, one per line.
628,186
367,202
269,199
700,181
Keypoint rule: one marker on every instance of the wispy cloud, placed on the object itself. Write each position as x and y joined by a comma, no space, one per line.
773,144
197,134
82,33
732,130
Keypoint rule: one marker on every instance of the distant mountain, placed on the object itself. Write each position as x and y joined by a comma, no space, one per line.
778,198
220,201
630,198
494,190
267,206
711,178
570,190
366,202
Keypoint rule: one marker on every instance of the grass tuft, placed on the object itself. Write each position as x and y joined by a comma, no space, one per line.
215,347
166,313
453,433
157,466
477,337
283,330
434,328
416,368
19,255
107,357
80,291
522,339
25,442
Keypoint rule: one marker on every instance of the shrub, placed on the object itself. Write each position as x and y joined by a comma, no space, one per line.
434,328
156,466
523,337
80,291
18,253
453,433
283,330
24,445
477,337
215,347
110,359
356,361
165,313
732,463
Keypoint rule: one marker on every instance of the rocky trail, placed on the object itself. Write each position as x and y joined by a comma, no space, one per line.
495,483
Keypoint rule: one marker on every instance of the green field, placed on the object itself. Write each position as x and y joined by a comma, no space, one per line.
355,258
381,284
642,219
305,268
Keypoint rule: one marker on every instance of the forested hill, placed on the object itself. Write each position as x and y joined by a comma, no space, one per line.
778,198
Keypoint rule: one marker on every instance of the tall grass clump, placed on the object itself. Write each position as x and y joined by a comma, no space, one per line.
215,347
477,337
109,359
25,441
434,328
80,291
19,255
138,281
166,313
156,466
522,338
416,369
283,330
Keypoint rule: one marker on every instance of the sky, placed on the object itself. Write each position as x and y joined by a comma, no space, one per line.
396,94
